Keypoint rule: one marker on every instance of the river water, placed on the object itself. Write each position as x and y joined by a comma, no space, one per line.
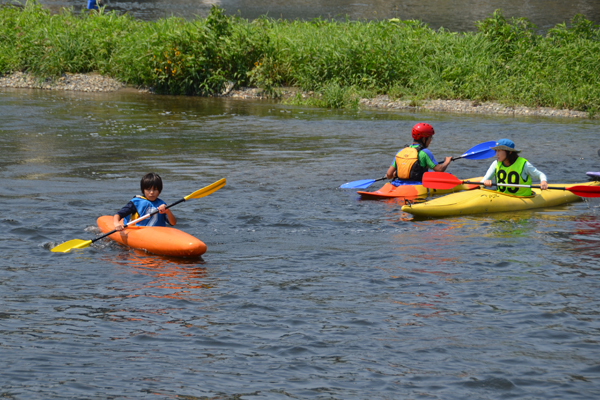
450,14
306,291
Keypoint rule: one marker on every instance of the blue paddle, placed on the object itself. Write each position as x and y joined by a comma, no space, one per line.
479,152
362,184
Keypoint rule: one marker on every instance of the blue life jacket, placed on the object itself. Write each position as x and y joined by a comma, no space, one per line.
143,207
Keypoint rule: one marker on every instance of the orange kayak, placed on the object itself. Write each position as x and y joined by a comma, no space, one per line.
411,191
155,239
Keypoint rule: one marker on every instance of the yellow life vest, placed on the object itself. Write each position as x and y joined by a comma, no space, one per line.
408,166
513,175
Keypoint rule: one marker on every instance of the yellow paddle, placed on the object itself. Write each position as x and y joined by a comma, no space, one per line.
80,244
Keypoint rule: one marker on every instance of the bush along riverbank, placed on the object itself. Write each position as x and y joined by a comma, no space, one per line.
402,62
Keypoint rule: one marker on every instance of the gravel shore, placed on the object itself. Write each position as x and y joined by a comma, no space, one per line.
76,82
470,107
98,83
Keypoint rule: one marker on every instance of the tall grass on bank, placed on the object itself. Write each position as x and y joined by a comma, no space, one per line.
505,61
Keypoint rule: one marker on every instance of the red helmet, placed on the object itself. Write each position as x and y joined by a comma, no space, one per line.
422,130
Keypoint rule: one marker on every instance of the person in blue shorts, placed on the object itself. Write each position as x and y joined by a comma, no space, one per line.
151,186
414,160
92,4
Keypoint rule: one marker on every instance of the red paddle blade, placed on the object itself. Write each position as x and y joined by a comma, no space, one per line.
440,180
584,191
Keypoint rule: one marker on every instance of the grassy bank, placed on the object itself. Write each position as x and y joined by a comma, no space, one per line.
505,61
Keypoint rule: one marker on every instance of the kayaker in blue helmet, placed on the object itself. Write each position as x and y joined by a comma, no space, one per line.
512,169
151,186
414,160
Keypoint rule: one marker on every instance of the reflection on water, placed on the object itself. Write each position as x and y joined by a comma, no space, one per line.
169,277
450,14
582,243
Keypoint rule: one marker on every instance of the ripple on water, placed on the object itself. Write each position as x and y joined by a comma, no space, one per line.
305,290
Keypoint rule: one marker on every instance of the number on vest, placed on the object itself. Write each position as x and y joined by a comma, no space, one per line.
513,179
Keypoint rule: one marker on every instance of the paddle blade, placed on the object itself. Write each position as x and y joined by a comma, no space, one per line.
205,191
362,184
480,152
440,180
71,244
584,191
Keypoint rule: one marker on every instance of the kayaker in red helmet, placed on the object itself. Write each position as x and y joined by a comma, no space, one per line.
414,160
151,186
512,169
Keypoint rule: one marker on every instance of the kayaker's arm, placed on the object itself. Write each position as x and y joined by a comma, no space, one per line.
164,210
391,172
128,209
117,222
536,174
487,178
442,167
171,218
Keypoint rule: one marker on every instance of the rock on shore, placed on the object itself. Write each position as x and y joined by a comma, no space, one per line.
98,83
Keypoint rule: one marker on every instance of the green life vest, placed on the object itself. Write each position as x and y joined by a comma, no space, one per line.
513,175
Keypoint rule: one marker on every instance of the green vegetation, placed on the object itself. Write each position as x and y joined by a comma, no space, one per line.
505,61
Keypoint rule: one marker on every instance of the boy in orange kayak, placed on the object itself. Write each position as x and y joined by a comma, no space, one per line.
413,161
151,186
512,169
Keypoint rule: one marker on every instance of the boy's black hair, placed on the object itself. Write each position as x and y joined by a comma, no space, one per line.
151,180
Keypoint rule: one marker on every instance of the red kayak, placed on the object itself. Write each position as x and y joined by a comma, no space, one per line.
411,191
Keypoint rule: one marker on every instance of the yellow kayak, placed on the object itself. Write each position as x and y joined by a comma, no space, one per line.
490,201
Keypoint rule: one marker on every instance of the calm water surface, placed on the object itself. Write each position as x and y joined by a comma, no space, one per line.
305,292
450,14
